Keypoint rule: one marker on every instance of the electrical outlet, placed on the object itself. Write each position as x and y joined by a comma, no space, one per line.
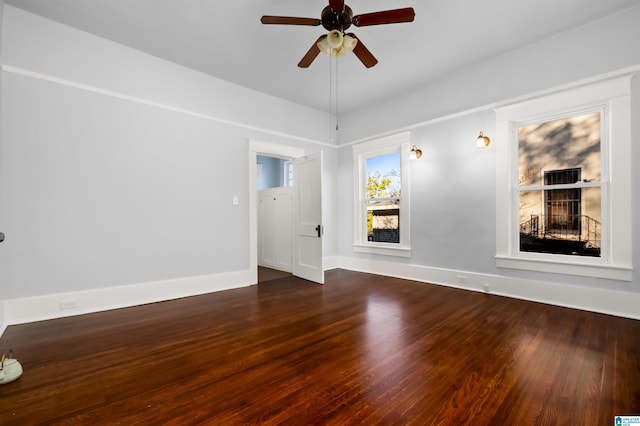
486,288
67,304
462,279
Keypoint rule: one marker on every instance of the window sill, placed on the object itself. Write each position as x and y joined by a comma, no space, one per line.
613,272
383,249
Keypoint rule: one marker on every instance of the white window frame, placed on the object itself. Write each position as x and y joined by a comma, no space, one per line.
375,148
613,98
287,173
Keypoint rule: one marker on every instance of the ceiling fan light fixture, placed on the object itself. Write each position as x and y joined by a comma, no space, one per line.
328,44
336,18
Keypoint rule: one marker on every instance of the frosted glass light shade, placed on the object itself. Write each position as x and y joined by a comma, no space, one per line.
323,45
335,38
349,43
482,141
337,44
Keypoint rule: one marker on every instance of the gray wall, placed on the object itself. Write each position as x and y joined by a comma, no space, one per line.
123,171
453,200
119,168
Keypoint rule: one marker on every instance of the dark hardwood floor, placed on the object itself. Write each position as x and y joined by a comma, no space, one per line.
362,349
269,274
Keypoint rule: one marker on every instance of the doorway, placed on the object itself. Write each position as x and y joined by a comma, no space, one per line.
308,259
275,213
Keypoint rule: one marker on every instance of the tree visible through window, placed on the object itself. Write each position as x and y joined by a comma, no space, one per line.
383,191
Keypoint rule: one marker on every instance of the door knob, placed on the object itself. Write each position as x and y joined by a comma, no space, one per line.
1,237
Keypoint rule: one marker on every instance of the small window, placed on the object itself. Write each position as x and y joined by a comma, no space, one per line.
383,190
381,195
287,173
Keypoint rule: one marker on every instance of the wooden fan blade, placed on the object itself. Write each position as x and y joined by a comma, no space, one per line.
394,16
313,52
361,51
336,5
290,20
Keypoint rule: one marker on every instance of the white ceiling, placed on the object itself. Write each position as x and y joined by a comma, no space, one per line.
226,39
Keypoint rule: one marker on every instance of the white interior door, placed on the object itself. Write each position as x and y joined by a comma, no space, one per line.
307,178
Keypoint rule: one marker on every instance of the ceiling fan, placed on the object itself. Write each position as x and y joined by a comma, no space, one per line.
336,18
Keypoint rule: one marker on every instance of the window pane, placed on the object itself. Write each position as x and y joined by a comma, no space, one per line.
287,173
383,221
570,143
383,176
561,221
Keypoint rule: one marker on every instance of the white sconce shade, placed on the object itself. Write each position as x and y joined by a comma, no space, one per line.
482,141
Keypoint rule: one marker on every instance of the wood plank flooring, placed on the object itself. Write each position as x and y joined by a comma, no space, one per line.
268,274
362,349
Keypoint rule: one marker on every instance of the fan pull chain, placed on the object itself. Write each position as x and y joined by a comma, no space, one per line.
337,97
330,99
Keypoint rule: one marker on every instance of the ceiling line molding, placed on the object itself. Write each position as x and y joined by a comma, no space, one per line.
599,78
408,128
93,89
499,104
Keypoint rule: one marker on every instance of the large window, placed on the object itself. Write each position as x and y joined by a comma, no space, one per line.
382,196
564,178
559,170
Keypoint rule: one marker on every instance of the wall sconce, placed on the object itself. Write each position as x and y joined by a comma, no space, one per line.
482,141
415,153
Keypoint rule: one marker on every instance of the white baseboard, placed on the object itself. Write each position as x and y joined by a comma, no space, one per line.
50,306
330,262
30,309
611,302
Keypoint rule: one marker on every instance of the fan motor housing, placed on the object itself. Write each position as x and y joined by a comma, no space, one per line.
336,21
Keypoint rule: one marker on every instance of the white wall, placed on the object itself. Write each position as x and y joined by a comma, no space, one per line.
118,171
44,46
453,200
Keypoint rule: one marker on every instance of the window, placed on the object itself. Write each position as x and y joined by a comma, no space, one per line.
560,208
564,180
382,198
273,172
287,173
381,194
